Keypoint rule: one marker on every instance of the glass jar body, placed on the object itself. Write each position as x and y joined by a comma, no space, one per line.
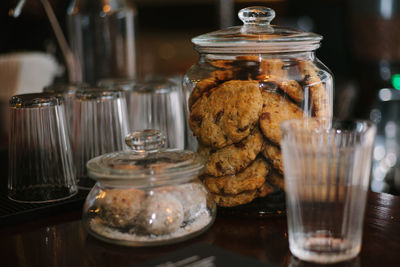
234,104
147,215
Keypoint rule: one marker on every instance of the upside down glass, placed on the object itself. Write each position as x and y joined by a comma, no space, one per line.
327,168
155,103
158,105
100,122
67,91
40,159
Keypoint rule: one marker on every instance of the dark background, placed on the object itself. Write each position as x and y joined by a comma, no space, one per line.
164,30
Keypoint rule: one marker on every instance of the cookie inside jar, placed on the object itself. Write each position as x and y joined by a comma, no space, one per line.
235,114
247,81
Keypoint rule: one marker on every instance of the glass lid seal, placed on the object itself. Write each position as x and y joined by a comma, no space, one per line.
257,35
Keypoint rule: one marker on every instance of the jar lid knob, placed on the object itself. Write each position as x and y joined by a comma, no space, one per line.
145,141
256,15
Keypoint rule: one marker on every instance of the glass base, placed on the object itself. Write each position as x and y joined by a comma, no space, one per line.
42,194
113,235
271,205
324,249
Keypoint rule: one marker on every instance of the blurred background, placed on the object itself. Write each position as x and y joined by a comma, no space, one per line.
361,46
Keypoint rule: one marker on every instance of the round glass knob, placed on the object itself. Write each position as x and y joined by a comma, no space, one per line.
148,140
256,15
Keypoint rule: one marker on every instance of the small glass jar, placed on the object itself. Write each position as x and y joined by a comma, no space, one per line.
247,80
147,196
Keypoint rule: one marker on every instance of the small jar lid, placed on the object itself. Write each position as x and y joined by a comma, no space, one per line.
147,163
257,35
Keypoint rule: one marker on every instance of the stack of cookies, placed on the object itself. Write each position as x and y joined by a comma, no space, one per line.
235,115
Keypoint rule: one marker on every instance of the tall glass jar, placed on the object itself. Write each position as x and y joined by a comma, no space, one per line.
102,38
247,80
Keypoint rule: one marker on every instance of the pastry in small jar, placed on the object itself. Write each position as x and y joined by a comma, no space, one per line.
149,195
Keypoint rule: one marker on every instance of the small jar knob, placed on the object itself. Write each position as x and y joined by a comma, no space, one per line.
256,15
143,141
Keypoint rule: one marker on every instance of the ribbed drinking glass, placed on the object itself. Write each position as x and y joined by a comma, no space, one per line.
40,157
67,91
327,171
100,125
159,105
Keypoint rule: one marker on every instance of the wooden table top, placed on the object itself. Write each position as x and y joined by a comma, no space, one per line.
60,240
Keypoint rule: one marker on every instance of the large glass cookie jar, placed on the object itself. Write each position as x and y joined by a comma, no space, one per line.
149,195
249,79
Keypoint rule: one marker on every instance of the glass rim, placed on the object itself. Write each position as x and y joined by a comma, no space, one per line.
64,87
119,83
320,125
35,100
98,92
155,87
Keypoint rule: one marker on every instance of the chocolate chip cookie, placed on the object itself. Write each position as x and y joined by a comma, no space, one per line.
222,64
290,87
273,154
226,114
232,158
251,178
276,109
232,200
273,67
205,85
293,89
320,97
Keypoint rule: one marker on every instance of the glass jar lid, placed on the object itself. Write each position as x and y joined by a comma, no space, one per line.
147,163
257,35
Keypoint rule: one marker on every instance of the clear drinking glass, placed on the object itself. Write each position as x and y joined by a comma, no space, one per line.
40,158
327,168
100,125
67,91
158,105
102,37
155,103
126,85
